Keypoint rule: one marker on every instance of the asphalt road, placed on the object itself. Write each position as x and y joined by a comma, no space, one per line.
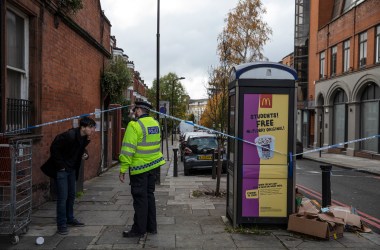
348,188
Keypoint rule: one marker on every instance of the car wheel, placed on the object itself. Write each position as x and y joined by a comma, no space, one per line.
186,170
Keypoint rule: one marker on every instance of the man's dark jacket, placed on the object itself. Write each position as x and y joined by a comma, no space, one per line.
66,152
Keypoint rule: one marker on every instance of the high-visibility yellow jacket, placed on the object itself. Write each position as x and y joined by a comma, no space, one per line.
140,150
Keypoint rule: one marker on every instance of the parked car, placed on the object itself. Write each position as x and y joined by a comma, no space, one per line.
184,137
197,153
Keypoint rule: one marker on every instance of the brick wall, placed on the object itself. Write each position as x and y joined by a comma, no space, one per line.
348,26
65,69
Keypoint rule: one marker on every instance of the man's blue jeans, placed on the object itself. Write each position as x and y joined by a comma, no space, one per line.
65,196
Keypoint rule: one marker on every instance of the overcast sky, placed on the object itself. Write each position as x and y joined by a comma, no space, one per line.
188,35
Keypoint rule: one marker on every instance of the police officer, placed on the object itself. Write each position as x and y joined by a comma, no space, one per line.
141,155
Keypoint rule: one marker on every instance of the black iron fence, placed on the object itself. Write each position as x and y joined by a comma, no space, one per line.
18,116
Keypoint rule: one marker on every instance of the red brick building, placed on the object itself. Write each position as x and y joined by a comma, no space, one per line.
137,90
344,74
51,63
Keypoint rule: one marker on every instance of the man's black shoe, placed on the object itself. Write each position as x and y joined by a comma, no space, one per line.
62,230
152,231
131,234
75,223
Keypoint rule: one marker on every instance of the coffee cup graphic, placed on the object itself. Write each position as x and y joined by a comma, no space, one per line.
265,146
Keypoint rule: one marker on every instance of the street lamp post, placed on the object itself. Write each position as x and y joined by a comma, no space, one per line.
199,116
158,170
158,61
172,105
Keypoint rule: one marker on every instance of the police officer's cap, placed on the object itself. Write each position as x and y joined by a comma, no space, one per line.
143,105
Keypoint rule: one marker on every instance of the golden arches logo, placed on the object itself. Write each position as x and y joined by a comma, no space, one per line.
266,101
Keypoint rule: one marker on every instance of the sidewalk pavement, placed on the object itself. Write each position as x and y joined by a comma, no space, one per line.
184,221
344,161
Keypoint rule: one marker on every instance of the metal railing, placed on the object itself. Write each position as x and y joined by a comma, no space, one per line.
18,116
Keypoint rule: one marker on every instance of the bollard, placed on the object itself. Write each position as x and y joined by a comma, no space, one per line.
213,164
175,174
326,185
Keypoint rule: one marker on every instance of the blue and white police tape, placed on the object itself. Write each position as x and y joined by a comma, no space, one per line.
252,143
339,144
63,120
217,132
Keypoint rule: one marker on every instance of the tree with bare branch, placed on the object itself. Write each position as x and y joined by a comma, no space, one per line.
241,41
245,33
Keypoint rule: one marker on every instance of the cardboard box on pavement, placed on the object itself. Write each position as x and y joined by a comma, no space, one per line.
325,227
345,214
307,206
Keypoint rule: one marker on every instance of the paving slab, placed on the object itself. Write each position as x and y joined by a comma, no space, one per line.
160,241
102,217
256,241
356,241
74,242
205,241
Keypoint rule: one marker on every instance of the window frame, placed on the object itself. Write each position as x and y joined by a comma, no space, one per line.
340,100
25,72
377,44
363,43
334,53
346,56
374,99
322,62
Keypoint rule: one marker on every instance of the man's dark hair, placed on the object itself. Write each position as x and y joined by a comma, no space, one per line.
86,122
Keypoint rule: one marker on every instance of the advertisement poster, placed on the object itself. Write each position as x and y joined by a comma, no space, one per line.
264,185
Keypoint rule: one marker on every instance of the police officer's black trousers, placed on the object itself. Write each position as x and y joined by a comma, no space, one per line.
142,189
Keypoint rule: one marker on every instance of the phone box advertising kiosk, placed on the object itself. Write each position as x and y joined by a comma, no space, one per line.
260,180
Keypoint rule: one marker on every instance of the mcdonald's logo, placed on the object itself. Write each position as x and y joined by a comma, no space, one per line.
266,101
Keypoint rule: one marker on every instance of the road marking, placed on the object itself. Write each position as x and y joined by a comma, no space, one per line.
314,172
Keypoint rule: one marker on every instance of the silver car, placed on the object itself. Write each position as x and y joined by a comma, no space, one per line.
198,153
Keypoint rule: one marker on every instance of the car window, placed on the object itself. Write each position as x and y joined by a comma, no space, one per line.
203,142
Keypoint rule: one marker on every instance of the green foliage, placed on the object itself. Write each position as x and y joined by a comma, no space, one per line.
172,90
79,194
71,5
125,115
197,193
116,79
